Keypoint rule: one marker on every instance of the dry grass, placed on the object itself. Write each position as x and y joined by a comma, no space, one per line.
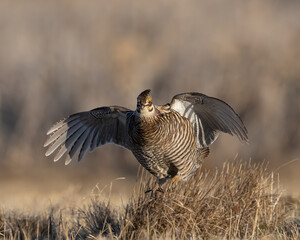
46,225
242,200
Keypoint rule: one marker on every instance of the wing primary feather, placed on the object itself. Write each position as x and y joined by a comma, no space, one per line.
62,122
68,159
240,130
208,119
59,132
227,110
233,116
78,143
202,133
70,142
209,115
63,149
63,138
73,138
86,145
56,126
95,138
232,123
84,131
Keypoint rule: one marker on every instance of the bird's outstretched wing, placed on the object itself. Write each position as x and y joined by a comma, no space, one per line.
208,116
84,131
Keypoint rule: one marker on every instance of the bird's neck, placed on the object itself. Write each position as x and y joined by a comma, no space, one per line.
145,114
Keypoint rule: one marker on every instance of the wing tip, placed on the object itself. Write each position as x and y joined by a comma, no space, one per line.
246,140
47,143
57,157
68,160
243,137
244,134
49,152
56,126
60,123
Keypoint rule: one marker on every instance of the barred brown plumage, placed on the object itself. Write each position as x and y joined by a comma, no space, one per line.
169,140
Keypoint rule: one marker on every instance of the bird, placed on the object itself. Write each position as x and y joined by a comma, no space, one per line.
170,140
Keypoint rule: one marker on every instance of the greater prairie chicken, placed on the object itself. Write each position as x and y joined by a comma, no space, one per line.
169,140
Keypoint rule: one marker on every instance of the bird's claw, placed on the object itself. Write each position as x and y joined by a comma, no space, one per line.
157,188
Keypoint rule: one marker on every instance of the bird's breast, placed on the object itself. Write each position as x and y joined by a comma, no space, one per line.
159,131
164,141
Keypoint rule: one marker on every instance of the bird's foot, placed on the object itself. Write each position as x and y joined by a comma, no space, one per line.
157,188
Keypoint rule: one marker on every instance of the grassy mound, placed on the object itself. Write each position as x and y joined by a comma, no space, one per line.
240,201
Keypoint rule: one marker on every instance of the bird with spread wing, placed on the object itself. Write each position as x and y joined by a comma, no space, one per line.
168,140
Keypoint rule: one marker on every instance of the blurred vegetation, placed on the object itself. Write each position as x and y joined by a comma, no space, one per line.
61,57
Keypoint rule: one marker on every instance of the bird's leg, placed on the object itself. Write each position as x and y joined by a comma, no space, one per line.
174,180
158,186
161,182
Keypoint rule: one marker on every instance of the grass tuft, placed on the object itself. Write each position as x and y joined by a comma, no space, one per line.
242,200
99,219
46,225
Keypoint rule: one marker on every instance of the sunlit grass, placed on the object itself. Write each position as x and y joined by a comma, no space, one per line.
240,201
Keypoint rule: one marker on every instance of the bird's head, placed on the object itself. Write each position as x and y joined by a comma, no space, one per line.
144,105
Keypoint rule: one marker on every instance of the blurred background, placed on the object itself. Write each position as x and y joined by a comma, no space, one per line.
62,57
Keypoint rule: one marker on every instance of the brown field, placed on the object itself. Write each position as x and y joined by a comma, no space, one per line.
62,57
